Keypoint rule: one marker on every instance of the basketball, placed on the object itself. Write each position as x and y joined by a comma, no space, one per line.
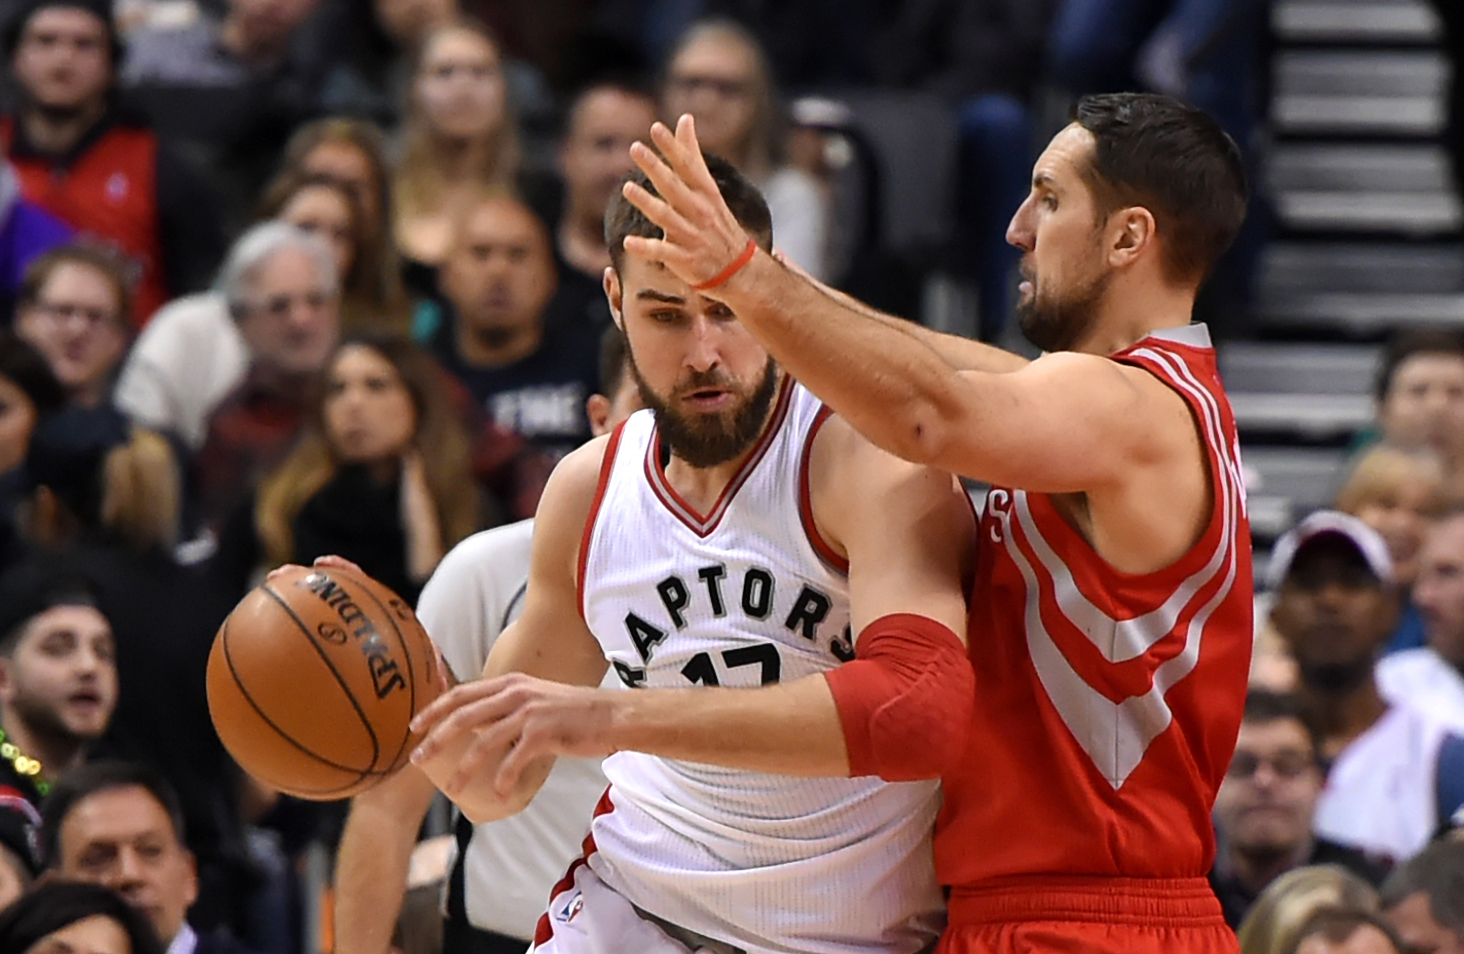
313,679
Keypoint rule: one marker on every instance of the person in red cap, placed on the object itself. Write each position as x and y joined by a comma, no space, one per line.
87,160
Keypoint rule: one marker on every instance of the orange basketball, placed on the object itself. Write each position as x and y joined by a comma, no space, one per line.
313,679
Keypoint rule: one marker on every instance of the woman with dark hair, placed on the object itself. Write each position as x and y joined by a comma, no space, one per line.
29,391
382,474
75,917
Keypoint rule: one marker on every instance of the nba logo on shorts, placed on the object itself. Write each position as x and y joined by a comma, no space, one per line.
567,907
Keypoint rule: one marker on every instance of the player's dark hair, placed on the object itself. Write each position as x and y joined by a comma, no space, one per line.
1172,159
1437,872
613,360
105,775
742,197
1409,343
51,906
1336,924
1264,706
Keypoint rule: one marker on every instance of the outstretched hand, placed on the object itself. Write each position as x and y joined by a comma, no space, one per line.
503,725
702,236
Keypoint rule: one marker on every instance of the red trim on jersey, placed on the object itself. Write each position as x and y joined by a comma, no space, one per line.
544,930
701,525
584,551
820,544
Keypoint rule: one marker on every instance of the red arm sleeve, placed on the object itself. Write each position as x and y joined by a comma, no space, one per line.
905,700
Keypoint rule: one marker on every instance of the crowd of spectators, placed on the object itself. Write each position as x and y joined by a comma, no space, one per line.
282,278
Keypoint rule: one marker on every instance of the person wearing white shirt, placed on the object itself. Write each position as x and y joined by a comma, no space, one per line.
1335,608
1431,678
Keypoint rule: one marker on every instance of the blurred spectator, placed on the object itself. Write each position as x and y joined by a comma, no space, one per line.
372,298
119,824
58,675
373,41
351,152
1397,493
1431,677
95,167
1424,899
1420,398
26,230
18,850
1344,931
63,916
499,336
1335,608
234,87
1263,812
984,58
75,307
719,74
198,352
28,391
460,135
1282,910
594,158
282,294
381,474
108,494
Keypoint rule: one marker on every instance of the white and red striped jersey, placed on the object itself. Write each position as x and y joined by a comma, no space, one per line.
743,596
1107,703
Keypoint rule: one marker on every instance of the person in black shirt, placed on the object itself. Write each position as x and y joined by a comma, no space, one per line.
528,370
1264,809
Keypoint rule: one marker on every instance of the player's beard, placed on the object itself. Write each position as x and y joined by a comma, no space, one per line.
1057,323
706,440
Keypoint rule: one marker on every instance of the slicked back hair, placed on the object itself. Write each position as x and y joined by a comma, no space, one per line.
1174,160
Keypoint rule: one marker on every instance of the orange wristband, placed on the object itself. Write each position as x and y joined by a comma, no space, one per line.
725,275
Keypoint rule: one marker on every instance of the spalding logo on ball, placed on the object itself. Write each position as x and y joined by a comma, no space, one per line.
314,679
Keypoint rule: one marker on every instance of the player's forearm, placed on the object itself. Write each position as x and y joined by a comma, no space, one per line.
880,375
371,879
790,729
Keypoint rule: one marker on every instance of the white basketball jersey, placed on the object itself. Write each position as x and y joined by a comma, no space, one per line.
743,596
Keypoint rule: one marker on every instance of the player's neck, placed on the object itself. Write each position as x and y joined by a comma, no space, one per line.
1132,310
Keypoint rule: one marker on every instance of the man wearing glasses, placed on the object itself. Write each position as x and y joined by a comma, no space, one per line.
1264,811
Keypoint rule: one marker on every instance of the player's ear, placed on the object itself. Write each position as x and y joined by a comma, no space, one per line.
614,294
597,406
1131,232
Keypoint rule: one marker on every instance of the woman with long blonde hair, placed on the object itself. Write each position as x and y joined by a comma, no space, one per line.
382,474
460,136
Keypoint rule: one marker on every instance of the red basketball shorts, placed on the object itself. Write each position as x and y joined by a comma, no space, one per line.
1087,916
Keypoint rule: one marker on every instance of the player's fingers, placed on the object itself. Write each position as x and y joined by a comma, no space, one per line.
331,561
279,571
511,769
669,183
659,250
687,158
486,748
474,716
654,207
455,699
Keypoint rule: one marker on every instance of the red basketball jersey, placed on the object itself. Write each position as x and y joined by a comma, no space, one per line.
1107,703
